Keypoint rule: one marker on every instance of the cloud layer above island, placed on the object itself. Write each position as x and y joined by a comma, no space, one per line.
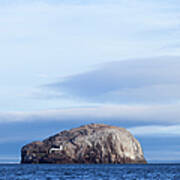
138,93
149,80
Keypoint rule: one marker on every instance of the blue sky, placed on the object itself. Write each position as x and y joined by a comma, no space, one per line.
68,63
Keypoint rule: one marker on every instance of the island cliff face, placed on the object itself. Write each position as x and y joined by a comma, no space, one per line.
94,143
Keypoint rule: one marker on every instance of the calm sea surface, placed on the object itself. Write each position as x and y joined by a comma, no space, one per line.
86,172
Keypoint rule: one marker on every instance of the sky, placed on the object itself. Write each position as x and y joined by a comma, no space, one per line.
68,63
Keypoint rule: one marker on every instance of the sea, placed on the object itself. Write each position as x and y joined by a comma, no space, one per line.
89,172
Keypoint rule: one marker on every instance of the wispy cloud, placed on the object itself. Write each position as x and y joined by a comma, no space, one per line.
149,80
12,139
156,131
150,114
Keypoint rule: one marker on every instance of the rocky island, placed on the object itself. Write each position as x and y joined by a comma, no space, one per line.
94,143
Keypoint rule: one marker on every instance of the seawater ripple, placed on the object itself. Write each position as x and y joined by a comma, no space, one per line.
89,172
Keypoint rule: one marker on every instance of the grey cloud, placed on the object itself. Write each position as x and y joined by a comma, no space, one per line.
129,81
